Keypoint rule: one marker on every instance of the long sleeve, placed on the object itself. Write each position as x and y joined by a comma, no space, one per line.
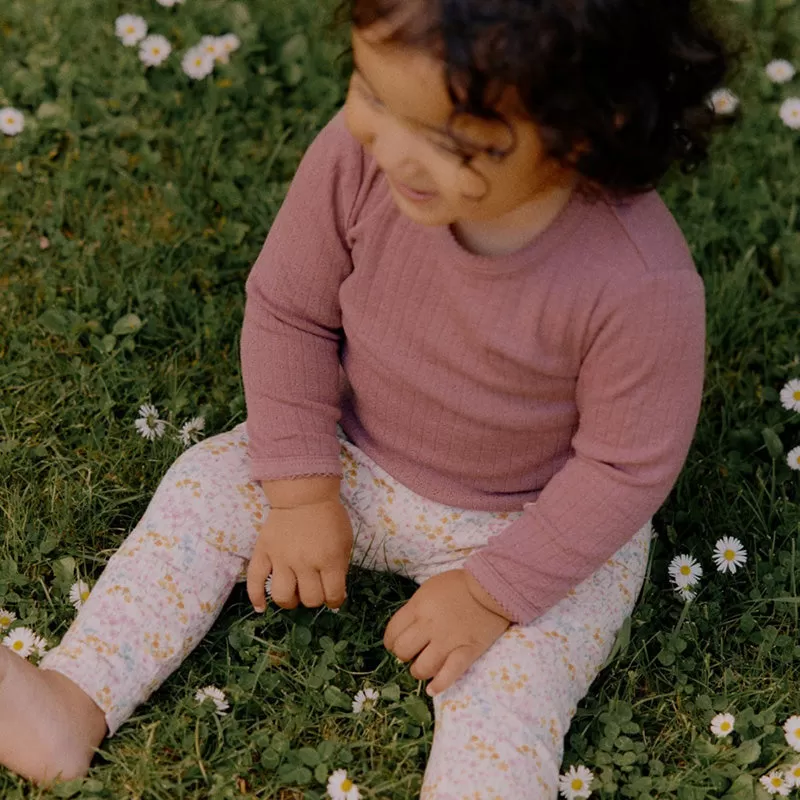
292,323
638,396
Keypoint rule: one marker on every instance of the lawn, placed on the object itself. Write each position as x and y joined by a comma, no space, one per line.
131,208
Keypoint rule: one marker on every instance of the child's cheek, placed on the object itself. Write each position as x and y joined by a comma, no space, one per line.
472,184
356,118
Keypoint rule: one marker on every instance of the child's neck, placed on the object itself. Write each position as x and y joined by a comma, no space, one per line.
514,230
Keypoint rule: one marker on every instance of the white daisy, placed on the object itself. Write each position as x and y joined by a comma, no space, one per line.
154,50
791,730
685,571
793,774
12,121
723,101
226,45
793,458
790,112
7,619
38,646
686,593
168,3
192,430
722,724
131,29
729,554
79,594
20,641
790,395
364,697
780,71
229,42
197,63
775,783
340,787
149,425
211,45
214,694
577,782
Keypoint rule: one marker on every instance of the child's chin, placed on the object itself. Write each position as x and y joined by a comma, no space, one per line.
424,214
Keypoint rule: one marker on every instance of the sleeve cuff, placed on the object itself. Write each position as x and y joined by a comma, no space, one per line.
519,609
267,469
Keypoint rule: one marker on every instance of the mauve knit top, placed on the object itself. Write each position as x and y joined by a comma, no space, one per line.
563,379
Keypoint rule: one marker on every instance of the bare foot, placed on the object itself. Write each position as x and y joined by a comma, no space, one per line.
48,726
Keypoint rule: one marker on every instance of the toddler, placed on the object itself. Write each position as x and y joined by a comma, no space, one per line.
475,336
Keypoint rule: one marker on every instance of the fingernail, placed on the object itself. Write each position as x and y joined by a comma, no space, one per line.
260,609
430,692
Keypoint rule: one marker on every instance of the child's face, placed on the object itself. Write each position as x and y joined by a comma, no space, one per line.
398,108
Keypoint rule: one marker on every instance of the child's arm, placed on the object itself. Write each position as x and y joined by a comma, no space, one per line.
292,326
638,396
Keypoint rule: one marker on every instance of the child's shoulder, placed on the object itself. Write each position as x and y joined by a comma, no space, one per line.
336,157
647,235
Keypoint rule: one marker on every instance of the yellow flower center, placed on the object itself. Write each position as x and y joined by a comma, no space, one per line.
130,29
797,732
685,570
156,52
729,555
576,784
725,726
85,595
347,785
796,394
198,62
17,645
798,457
776,781
10,120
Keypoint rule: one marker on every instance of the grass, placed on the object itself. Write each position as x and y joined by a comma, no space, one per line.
133,193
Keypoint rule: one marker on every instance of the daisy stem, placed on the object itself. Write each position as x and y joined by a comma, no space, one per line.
197,750
681,619
793,579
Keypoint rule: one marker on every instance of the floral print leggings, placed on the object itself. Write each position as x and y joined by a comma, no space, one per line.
498,730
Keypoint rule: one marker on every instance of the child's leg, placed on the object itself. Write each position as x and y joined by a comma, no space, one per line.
162,590
500,728
156,599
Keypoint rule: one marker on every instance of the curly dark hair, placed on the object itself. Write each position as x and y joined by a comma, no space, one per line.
618,88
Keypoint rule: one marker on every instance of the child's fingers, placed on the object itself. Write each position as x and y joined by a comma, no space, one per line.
455,665
415,640
401,619
309,588
333,584
258,569
284,586
429,662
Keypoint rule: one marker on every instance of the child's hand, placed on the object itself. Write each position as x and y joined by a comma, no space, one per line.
307,551
447,625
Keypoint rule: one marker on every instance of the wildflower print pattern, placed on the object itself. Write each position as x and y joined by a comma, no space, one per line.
499,729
